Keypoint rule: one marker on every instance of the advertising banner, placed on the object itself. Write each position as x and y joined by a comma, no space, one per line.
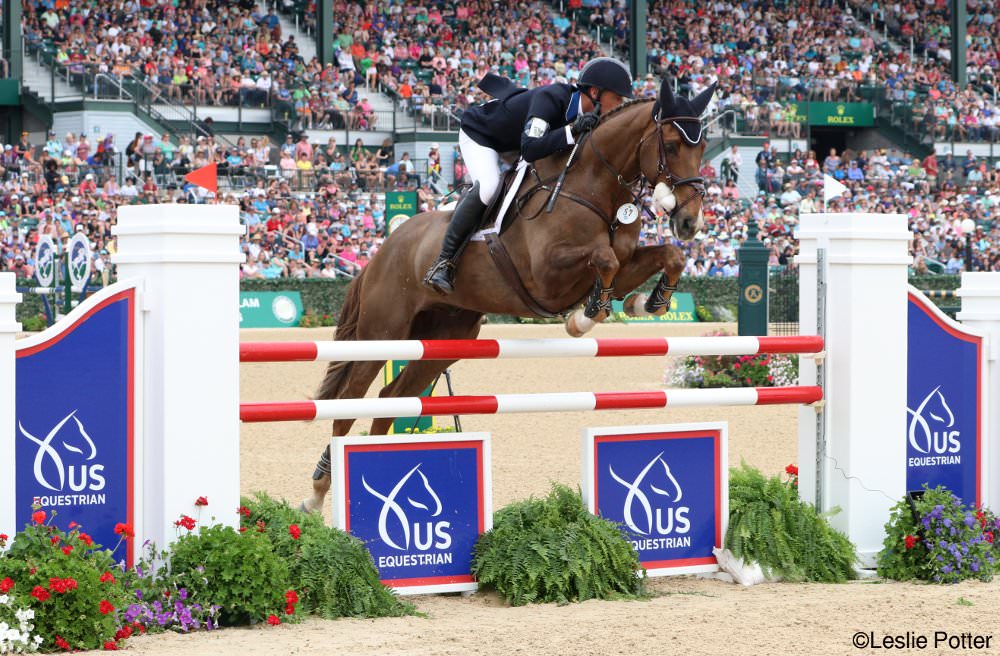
270,309
418,503
681,310
945,402
75,426
666,485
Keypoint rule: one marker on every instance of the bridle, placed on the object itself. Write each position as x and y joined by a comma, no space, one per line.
663,172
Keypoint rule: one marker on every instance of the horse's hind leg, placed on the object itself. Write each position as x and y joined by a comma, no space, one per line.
417,375
599,304
357,378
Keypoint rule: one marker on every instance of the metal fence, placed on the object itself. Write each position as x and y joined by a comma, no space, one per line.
783,301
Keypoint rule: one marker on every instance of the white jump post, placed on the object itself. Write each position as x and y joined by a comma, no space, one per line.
863,468
980,294
9,327
187,257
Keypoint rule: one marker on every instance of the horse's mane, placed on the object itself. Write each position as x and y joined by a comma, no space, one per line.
625,105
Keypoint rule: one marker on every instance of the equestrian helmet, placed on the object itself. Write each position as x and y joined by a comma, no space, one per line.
607,73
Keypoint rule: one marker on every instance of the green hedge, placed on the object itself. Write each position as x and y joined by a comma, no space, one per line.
321,296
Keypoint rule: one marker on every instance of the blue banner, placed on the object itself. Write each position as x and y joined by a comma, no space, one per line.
74,430
943,403
419,506
666,491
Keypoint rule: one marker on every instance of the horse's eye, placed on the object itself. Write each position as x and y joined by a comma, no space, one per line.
671,148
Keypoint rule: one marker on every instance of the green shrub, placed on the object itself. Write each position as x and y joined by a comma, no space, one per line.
238,571
939,539
770,525
332,571
552,549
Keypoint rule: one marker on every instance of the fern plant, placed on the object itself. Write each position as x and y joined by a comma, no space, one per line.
770,525
552,549
332,571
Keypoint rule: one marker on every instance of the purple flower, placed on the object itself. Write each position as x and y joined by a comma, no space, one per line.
974,566
157,607
970,520
946,569
138,570
182,593
946,522
178,606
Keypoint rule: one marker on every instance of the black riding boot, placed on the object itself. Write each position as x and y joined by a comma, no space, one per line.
464,221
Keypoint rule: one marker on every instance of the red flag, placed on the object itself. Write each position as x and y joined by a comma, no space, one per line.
206,177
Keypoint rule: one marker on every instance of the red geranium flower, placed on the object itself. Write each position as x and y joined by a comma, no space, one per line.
86,539
243,529
3,538
289,609
186,522
56,585
124,530
38,516
273,620
792,470
6,585
110,645
54,539
62,644
292,597
261,525
294,531
67,549
106,607
201,501
243,510
40,593
72,525
988,536
107,577
911,541
124,633
71,584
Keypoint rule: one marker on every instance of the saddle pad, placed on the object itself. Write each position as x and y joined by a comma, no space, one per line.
522,166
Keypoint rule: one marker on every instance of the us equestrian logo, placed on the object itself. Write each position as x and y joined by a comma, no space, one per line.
66,459
659,512
932,432
412,521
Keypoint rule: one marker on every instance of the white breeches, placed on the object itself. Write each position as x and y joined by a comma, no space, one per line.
483,164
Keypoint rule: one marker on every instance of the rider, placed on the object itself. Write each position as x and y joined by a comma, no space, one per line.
537,122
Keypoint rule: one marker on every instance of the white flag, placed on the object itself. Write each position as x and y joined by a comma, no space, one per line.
832,188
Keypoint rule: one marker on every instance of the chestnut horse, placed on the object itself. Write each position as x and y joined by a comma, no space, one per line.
578,249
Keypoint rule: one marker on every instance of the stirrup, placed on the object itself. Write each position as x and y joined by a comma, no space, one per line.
440,276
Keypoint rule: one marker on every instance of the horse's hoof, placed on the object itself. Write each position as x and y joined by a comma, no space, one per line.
579,324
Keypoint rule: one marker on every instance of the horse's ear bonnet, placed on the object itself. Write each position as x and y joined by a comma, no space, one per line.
689,112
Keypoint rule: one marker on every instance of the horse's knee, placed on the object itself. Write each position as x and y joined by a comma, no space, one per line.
605,261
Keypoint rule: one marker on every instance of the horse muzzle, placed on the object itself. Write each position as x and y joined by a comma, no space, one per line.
684,223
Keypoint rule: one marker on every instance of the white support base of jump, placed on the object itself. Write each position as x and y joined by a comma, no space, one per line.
861,468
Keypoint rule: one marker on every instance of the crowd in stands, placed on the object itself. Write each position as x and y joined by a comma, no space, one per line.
768,54
335,226
937,194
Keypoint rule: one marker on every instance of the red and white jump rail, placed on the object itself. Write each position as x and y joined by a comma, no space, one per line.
412,406
468,349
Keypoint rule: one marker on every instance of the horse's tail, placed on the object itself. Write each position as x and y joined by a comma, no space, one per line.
337,373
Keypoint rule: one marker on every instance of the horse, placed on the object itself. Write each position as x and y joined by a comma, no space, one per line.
581,250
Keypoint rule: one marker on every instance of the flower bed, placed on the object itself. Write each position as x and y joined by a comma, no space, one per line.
61,591
764,370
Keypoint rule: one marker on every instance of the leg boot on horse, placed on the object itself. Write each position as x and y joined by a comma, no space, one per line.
464,221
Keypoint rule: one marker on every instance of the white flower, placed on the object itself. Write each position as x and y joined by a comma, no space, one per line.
25,614
4,600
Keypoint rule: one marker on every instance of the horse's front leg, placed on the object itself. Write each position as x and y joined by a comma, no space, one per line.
644,263
598,306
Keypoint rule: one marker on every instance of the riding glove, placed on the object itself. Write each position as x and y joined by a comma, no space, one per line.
584,123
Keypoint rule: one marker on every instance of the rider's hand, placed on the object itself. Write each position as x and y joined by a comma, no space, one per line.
584,123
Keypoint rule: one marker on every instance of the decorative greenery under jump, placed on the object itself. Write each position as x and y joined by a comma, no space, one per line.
552,549
768,524
935,537
765,370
